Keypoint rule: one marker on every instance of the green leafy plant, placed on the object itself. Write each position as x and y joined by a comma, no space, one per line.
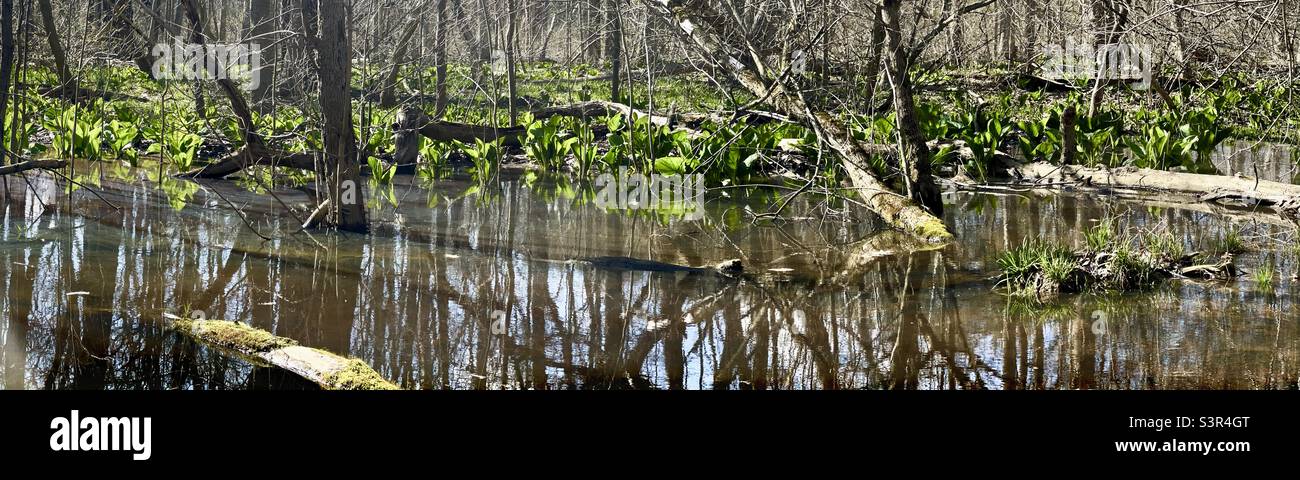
545,144
1159,148
486,157
19,138
180,147
1040,141
380,173
433,159
984,144
1230,241
1099,237
1020,263
643,140
585,151
77,132
122,136
1263,276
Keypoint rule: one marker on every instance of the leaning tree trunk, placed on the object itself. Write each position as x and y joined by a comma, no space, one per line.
388,96
341,165
197,36
915,156
896,210
56,45
872,76
262,25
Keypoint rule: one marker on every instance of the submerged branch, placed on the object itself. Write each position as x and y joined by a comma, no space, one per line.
32,165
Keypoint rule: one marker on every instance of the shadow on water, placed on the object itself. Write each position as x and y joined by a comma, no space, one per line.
455,293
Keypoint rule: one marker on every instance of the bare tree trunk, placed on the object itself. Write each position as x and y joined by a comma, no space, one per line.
614,48
6,59
1180,29
262,24
1035,12
341,165
873,60
958,44
1069,137
118,15
196,36
1008,42
56,44
485,36
915,155
440,61
510,60
1288,38
388,96
1109,20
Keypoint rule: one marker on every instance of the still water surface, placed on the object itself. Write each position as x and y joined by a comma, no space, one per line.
465,293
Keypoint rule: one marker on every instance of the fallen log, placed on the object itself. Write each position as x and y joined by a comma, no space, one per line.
1185,202
411,121
330,371
1283,197
665,70
32,165
253,154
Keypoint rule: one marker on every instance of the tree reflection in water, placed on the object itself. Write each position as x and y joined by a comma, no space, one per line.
416,300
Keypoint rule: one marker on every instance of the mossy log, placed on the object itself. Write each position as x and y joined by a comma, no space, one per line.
330,371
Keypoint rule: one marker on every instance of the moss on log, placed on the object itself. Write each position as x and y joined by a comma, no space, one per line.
330,371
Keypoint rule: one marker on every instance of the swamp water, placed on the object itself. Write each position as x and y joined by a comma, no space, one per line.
464,294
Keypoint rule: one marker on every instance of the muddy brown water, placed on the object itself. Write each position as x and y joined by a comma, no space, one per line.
465,293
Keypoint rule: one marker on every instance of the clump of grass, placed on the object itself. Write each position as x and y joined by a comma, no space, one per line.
1230,241
1128,269
1099,237
1036,267
1163,245
1108,261
1263,276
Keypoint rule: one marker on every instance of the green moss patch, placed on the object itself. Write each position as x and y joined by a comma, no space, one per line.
357,375
235,336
